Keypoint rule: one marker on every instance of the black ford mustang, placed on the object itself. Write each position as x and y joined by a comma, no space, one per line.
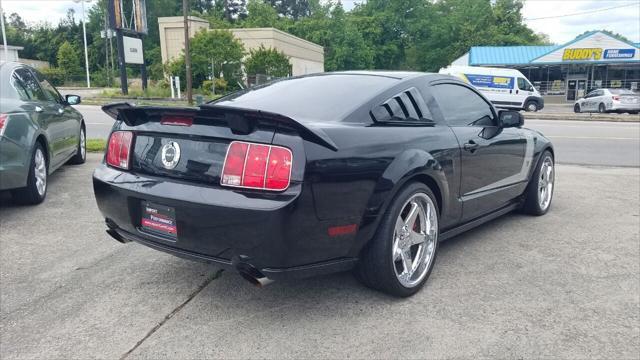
321,173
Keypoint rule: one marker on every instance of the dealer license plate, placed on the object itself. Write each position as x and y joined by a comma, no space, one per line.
159,219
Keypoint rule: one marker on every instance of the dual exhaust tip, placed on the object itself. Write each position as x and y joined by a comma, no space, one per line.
253,275
248,272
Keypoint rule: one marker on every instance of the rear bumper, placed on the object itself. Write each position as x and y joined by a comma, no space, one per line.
295,272
278,234
624,107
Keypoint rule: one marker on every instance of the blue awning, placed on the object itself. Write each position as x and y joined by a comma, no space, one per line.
506,55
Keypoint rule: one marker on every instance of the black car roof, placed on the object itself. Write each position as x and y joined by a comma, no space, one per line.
324,97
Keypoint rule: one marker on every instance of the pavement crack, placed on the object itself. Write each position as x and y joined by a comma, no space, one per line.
173,312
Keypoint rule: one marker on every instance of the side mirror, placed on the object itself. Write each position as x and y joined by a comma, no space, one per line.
509,118
72,99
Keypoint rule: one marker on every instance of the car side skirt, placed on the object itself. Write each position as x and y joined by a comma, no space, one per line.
478,221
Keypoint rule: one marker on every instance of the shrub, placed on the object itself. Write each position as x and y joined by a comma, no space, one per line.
221,87
55,75
269,62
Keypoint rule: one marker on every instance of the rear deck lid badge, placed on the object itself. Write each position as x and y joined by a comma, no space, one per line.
170,155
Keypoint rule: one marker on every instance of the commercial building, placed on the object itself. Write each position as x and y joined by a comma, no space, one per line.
566,72
12,55
12,52
305,57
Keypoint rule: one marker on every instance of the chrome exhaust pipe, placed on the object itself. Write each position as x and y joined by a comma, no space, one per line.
253,275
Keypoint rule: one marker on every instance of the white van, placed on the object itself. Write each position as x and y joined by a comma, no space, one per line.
505,88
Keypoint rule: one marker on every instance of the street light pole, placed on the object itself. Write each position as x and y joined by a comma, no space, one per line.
4,36
86,54
187,53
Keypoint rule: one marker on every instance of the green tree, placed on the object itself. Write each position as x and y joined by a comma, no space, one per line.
509,26
268,62
294,9
261,14
219,47
68,60
344,46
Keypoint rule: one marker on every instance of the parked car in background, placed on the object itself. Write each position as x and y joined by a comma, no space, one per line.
609,100
505,88
39,132
322,173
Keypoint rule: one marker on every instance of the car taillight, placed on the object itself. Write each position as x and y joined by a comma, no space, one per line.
119,149
4,119
257,166
616,98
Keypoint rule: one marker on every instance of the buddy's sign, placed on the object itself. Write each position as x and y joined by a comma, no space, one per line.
597,54
582,54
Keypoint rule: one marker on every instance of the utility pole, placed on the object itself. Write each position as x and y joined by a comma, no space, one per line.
187,54
124,87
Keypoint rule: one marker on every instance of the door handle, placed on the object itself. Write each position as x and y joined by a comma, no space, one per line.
37,109
517,91
471,146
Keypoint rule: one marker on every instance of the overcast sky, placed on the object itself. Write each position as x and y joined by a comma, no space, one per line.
624,18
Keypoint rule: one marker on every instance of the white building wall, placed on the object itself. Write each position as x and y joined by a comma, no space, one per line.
305,57
12,52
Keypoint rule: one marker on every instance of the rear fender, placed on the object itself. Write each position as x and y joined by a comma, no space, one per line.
410,165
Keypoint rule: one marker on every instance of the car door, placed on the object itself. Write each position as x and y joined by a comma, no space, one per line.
68,117
47,114
524,89
494,161
593,100
585,102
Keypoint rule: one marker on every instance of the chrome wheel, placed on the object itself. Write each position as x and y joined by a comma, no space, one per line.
545,183
83,144
533,107
40,171
414,239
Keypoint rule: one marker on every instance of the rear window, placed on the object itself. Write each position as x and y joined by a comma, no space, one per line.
622,92
325,97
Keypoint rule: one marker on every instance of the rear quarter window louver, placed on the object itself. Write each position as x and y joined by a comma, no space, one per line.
406,106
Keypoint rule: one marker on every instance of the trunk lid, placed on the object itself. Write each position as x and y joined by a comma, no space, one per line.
629,99
198,137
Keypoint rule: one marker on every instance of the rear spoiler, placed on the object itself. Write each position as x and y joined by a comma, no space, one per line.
239,120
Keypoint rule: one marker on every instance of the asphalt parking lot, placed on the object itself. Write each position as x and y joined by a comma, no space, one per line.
565,285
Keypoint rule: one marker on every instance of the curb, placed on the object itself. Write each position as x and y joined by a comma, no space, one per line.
583,117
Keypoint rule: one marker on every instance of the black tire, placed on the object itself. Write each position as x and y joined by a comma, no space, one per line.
376,267
576,108
531,106
532,204
29,195
81,153
602,109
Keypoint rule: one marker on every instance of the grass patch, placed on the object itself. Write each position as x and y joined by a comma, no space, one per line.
96,145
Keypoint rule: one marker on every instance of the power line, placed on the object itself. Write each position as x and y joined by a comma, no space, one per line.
583,13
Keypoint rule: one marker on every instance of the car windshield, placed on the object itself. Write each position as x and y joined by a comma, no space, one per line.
326,98
622,92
